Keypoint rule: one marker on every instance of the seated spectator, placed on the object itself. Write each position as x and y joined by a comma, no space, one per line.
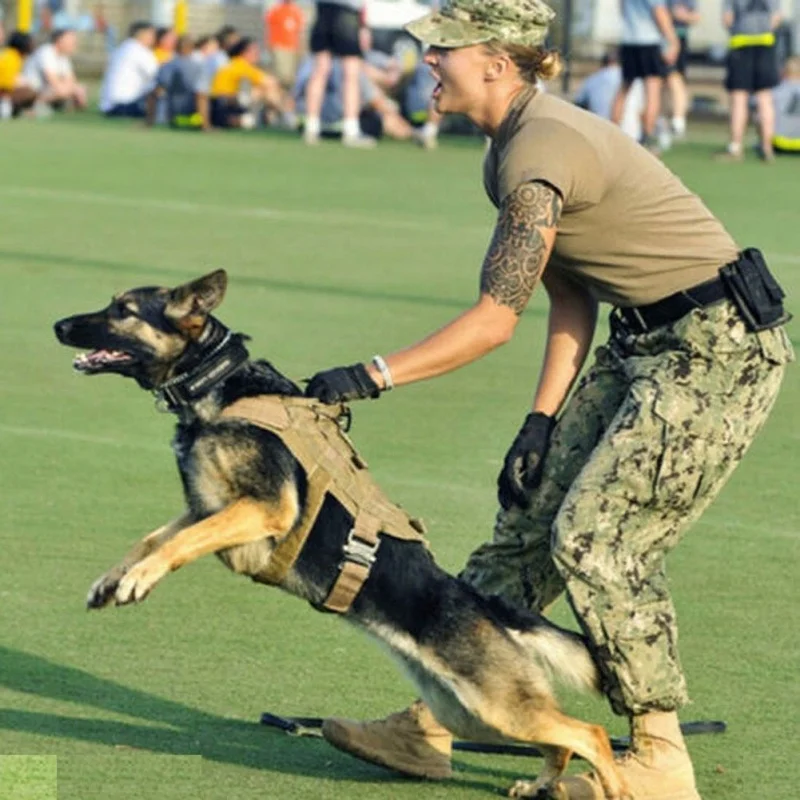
381,68
379,114
226,109
227,37
166,42
206,49
130,75
597,93
16,94
419,107
178,84
49,71
787,109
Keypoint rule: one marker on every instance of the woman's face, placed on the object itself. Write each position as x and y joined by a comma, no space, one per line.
461,75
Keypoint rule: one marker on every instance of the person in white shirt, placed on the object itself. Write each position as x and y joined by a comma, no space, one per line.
49,71
131,74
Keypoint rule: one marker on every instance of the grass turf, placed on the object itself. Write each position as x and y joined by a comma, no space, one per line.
333,255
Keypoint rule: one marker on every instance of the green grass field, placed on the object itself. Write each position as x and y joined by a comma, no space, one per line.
333,255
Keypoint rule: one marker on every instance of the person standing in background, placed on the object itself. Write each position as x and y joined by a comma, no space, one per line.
752,70
684,14
646,25
336,34
284,23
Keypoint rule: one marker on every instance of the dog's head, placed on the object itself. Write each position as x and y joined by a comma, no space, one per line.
143,333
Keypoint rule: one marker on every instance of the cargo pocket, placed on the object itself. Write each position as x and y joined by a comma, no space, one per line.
682,458
776,346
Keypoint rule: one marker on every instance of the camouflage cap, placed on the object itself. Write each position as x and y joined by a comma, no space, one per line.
460,23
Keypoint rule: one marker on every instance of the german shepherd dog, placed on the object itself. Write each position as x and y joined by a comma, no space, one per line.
484,667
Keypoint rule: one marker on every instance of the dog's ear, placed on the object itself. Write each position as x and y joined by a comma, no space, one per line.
192,302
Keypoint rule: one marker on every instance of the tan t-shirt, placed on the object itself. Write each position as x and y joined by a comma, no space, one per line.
630,231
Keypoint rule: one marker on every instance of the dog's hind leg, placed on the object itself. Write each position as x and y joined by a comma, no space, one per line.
244,521
555,731
103,589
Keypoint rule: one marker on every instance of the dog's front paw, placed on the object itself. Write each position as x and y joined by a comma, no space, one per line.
103,589
536,790
139,581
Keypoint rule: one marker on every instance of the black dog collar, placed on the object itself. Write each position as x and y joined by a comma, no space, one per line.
222,360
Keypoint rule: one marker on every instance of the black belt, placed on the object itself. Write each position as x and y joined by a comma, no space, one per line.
640,319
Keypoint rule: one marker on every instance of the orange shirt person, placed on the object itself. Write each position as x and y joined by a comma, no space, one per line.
284,26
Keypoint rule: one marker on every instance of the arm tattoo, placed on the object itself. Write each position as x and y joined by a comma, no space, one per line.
518,252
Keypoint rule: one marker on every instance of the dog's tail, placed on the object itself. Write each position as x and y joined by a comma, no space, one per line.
564,656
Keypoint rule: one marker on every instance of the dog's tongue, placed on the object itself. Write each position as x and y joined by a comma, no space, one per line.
98,357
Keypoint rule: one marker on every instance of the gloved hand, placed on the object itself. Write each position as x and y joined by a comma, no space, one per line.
522,468
342,384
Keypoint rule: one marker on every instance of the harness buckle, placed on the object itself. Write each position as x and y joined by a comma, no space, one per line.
345,419
360,552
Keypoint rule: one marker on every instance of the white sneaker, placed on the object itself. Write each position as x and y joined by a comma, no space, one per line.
426,141
42,111
360,142
310,138
6,109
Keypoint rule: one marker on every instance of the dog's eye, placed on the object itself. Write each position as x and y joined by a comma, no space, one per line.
123,311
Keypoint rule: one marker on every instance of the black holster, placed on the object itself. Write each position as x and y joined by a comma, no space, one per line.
752,288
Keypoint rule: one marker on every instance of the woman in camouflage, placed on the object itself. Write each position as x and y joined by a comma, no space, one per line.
595,490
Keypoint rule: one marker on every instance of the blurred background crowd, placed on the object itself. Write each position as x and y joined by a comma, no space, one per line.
347,69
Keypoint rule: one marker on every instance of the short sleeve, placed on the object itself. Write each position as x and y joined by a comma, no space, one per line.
556,154
48,60
254,75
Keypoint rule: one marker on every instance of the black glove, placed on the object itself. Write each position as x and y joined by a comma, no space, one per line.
342,384
522,468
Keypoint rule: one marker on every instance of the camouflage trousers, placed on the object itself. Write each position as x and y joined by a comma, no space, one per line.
648,439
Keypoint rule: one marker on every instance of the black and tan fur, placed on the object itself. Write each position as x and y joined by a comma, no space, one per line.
484,667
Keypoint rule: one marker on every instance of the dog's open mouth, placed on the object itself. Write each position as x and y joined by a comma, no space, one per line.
98,360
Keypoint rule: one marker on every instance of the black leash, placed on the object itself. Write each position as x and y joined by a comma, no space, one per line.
312,726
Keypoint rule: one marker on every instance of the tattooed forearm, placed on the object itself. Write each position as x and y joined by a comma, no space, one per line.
519,249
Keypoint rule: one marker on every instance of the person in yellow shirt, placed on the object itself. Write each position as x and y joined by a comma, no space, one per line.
16,93
166,41
226,109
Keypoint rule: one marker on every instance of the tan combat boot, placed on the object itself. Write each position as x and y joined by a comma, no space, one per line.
411,742
657,767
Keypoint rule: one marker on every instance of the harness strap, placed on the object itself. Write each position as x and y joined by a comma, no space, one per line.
359,556
287,550
313,433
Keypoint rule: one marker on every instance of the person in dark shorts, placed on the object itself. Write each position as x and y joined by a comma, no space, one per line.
752,70
646,25
336,34
684,14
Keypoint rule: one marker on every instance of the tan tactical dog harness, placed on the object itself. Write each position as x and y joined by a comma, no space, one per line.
313,433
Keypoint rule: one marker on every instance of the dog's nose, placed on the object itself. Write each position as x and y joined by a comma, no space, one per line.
62,329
